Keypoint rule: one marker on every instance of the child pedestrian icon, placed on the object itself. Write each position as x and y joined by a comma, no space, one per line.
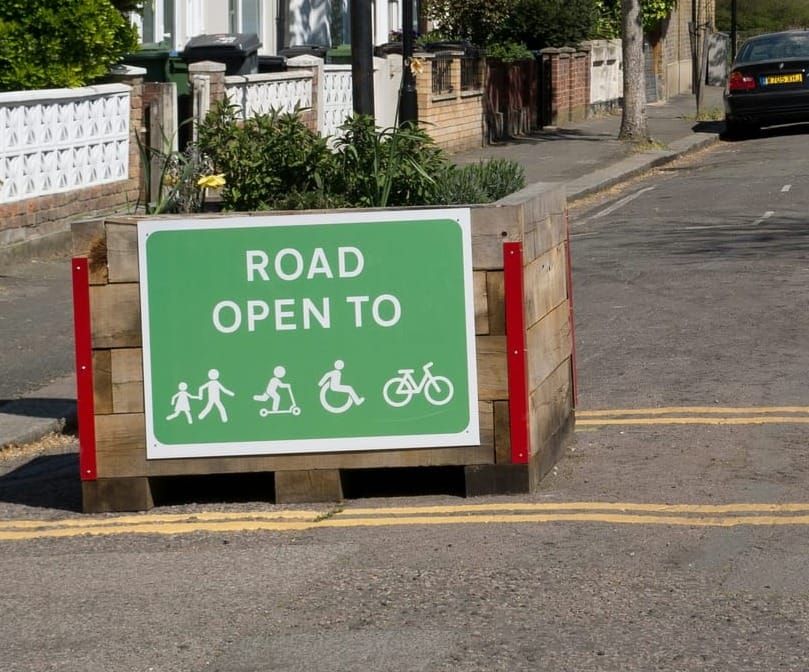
273,392
332,382
181,403
213,390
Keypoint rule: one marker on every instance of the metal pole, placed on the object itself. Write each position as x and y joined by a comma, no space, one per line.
408,101
732,30
692,27
280,27
362,57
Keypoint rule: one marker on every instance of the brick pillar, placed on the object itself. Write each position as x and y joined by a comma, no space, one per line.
424,86
588,78
313,117
567,55
215,72
579,86
550,65
133,78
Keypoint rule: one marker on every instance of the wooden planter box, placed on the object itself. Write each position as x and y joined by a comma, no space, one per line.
525,368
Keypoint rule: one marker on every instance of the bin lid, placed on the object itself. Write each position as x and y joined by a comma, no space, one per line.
222,43
304,50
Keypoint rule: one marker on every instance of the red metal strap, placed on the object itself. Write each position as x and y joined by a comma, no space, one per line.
516,353
574,371
84,369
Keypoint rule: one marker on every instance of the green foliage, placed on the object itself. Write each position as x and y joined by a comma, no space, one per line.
270,161
608,21
654,11
763,16
125,6
60,43
274,161
509,51
483,182
541,23
550,23
391,167
478,21
436,35
177,188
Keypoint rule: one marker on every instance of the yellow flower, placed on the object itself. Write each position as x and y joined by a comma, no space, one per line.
416,66
211,181
170,180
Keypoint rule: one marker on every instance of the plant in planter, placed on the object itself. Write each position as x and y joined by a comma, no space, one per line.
274,162
270,161
390,167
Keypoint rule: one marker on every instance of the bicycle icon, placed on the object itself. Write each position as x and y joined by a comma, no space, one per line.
399,391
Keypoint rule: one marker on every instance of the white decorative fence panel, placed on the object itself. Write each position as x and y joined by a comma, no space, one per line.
338,103
63,139
258,94
606,71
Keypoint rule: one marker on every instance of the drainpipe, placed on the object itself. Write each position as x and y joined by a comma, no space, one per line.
362,57
280,26
408,102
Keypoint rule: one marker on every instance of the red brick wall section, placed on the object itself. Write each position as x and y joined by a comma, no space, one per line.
570,84
32,218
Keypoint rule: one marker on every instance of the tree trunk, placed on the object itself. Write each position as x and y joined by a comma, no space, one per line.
633,121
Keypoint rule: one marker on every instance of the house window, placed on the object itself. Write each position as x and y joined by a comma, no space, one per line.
245,16
158,22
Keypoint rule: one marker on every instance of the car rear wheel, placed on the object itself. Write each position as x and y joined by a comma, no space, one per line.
738,130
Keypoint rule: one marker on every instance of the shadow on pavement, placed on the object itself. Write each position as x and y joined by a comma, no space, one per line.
714,126
39,407
556,136
46,482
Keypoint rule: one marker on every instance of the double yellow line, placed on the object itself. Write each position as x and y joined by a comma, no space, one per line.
616,513
695,415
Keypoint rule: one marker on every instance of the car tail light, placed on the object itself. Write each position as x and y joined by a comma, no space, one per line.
740,82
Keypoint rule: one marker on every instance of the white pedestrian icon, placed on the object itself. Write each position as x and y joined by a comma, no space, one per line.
181,403
273,392
332,382
212,391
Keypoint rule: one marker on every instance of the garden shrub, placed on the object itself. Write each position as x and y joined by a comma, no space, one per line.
483,182
391,167
270,161
274,162
550,23
60,43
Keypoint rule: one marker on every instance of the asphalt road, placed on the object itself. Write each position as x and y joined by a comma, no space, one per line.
672,536
36,324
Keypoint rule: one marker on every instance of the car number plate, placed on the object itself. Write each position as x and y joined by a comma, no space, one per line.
794,78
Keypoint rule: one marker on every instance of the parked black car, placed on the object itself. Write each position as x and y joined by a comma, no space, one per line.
768,83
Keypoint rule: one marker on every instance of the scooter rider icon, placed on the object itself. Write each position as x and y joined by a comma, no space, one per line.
273,392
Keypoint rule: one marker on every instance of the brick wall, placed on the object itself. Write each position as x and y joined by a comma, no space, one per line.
42,223
568,90
454,120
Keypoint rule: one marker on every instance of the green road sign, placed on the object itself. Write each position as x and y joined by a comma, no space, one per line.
308,333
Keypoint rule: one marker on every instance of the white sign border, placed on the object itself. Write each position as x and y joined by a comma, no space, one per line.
470,436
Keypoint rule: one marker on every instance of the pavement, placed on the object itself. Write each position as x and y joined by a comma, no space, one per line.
586,156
